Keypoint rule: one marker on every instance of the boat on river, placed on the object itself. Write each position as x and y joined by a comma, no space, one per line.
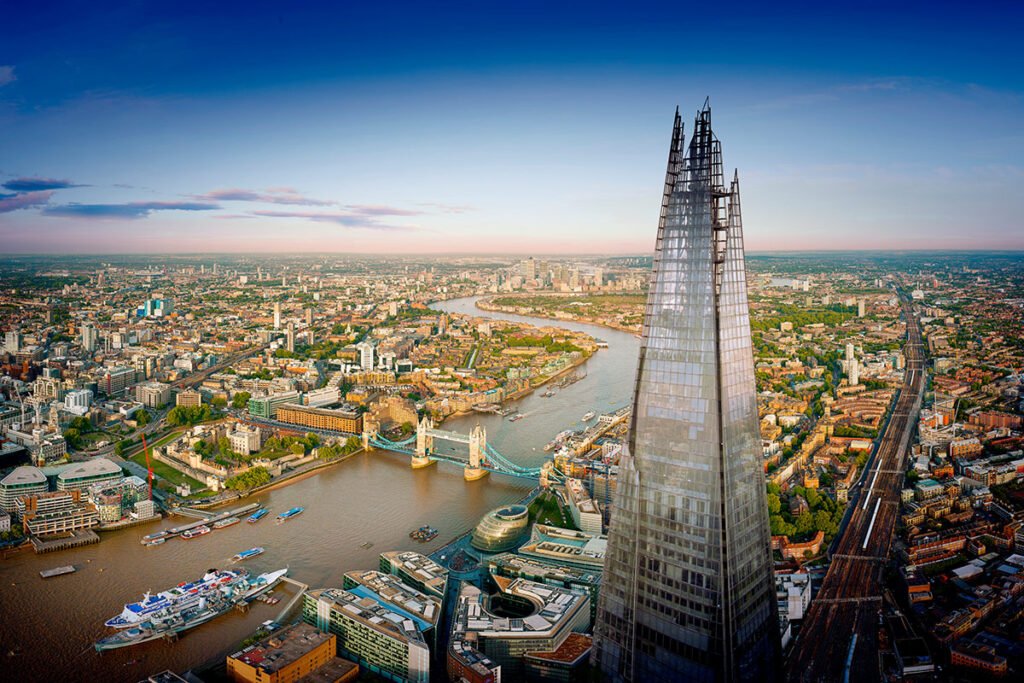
288,514
151,539
179,597
230,521
198,531
258,515
246,554
170,621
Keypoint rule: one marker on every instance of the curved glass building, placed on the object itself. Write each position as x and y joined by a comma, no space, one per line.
688,591
502,529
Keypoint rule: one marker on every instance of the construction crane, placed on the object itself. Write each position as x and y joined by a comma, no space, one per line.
149,466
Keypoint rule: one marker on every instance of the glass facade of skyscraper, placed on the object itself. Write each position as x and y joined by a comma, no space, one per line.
688,591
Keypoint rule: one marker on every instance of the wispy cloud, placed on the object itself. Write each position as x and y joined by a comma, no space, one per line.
7,75
129,211
277,195
349,220
26,200
378,210
448,208
37,184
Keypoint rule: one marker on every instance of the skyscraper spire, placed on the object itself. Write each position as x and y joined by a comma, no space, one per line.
688,591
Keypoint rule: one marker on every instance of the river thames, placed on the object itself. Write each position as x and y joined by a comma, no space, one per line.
48,625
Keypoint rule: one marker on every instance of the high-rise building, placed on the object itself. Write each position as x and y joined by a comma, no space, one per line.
89,337
688,591
290,337
277,315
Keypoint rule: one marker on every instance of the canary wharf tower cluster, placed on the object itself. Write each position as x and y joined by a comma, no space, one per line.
688,591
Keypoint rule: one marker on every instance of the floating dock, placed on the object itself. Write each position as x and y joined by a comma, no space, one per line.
57,571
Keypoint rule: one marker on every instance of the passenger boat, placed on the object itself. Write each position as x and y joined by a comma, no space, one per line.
589,416
258,515
155,541
148,538
288,514
246,554
200,530
181,596
230,521
516,417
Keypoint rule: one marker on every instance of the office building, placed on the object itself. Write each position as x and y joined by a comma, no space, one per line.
23,481
586,515
189,398
387,643
688,590
153,394
266,406
550,615
82,475
566,546
391,593
115,381
539,570
289,655
416,570
277,315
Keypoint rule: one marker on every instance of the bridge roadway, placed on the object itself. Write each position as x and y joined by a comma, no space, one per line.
844,613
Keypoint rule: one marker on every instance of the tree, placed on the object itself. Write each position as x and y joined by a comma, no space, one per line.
823,522
774,504
805,523
219,402
250,479
241,399
142,417
121,446
298,449
73,437
780,527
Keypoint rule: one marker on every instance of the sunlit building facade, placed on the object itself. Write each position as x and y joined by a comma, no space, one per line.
688,591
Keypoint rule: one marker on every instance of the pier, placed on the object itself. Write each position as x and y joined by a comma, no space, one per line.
75,540
302,588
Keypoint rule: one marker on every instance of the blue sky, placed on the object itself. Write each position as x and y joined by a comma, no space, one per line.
487,127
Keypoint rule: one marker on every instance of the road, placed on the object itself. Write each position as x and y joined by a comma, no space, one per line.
839,637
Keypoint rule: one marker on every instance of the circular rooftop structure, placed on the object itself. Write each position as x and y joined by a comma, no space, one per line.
501,529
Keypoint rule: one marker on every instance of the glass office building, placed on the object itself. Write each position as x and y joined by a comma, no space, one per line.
688,590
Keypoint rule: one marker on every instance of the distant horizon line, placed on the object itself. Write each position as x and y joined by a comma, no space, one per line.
260,254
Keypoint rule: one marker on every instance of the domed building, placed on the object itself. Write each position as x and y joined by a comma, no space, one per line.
501,529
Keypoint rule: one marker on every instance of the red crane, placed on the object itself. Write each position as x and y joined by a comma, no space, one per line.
145,449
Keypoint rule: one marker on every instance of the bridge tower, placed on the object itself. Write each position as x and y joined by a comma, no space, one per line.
477,447
369,433
424,443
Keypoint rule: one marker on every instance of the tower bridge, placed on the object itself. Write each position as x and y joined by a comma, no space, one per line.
481,460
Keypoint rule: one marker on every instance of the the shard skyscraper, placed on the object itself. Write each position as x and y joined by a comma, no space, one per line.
688,592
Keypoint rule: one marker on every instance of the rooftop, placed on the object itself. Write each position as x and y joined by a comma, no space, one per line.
91,468
574,647
394,594
283,648
25,474
370,612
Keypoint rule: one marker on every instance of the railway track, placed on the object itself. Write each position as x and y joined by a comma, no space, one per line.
839,637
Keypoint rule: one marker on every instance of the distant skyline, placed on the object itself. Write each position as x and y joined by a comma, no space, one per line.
532,127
